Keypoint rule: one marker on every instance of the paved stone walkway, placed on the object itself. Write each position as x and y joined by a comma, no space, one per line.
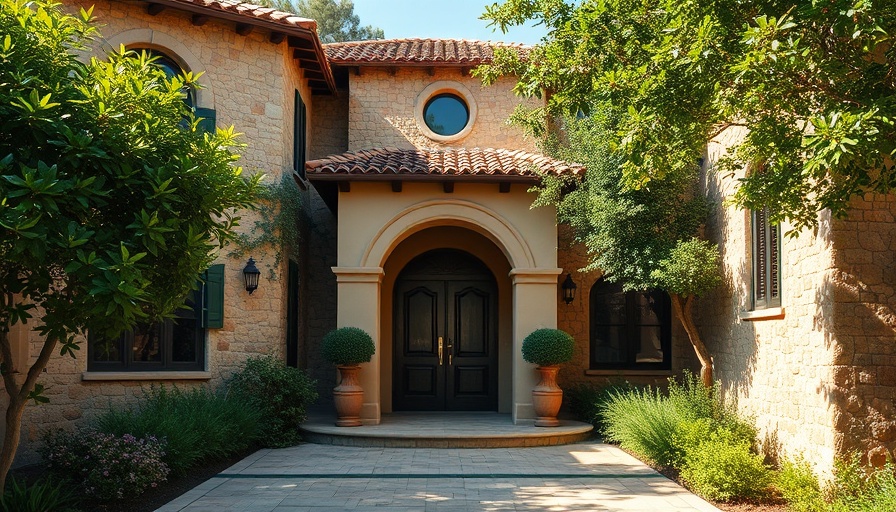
321,478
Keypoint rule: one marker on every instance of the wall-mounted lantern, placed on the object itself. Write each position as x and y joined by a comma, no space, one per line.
251,273
569,289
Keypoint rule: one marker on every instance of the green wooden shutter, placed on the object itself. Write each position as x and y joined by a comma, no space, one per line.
208,115
213,300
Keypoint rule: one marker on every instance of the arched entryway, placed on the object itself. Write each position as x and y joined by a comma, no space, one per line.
445,334
379,234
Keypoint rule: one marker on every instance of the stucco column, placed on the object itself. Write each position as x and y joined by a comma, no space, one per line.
534,307
358,305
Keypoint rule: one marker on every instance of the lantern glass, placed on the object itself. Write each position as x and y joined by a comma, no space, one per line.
569,289
251,274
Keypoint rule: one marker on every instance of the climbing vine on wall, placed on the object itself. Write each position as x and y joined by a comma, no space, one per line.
277,225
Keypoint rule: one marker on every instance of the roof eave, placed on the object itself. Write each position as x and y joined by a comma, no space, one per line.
472,178
306,33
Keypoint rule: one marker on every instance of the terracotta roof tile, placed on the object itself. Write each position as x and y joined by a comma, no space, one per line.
250,10
460,162
417,51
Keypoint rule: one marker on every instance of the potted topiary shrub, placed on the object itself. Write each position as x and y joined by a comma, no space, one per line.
547,348
347,348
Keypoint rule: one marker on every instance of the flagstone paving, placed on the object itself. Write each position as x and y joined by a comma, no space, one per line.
323,478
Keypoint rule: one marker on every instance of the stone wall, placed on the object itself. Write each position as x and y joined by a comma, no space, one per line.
777,363
250,84
862,328
381,110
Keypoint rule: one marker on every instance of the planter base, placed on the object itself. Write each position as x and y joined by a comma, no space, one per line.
547,397
348,397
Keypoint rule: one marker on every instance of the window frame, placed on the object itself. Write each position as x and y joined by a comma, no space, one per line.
299,135
631,329
765,252
204,306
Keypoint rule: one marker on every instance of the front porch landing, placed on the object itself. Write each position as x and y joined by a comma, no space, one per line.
443,430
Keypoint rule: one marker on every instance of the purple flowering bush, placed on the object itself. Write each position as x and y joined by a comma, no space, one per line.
104,465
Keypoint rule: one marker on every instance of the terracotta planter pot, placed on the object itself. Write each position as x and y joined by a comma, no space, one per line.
348,397
547,397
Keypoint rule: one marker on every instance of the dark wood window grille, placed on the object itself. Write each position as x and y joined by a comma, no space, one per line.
766,261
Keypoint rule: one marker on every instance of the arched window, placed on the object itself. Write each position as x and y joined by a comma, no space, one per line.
169,64
172,69
629,330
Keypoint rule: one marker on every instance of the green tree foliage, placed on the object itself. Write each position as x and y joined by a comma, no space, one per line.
111,200
813,81
336,20
643,238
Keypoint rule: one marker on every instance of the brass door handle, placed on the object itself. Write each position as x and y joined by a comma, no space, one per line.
450,353
440,351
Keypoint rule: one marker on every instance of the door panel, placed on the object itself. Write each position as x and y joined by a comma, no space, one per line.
418,376
472,379
460,307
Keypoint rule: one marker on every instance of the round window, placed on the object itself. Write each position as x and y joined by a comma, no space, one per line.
446,114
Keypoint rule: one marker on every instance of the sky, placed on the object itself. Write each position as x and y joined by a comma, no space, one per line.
440,19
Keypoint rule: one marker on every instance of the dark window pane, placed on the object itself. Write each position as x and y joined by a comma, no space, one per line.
184,339
106,350
147,343
608,344
446,114
651,346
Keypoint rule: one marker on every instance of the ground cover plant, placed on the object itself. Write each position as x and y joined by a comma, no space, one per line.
690,428
586,401
282,394
691,431
41,496
197,425
104,465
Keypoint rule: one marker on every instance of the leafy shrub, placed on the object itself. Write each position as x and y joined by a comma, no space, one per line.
197,424
723,467
104,465
281,393
586,401
689,434
858,488
703,402
799,487
879,493
546,347
645,422
347,346
42,496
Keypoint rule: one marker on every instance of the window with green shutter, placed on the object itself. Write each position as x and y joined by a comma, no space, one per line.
213,298
207,119
177,344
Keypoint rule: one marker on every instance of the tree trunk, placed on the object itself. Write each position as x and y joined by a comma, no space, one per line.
684,309
18,398
14,412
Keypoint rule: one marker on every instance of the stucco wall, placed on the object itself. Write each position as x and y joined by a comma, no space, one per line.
777,367
250,84
381,110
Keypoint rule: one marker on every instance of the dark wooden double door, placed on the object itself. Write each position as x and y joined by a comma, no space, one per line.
445,335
